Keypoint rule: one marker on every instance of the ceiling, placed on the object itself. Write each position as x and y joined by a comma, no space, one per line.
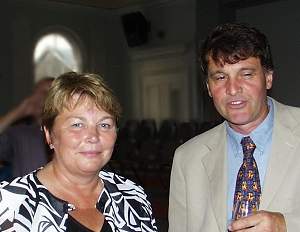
105,4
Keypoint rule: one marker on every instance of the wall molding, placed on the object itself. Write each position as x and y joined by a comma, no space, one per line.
158,52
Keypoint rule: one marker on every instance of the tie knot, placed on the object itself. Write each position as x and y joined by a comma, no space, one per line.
248,145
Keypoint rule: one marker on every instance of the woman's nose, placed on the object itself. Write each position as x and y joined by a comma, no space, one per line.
93,135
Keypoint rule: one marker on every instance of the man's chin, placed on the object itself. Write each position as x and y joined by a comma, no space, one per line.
239,122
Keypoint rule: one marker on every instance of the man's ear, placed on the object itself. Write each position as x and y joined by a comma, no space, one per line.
208,89
269,79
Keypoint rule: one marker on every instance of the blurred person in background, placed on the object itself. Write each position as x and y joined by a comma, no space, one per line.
22,144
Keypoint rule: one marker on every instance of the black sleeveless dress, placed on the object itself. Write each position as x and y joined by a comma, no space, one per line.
74,226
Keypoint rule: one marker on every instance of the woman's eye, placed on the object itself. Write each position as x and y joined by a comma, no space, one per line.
77,125
106,126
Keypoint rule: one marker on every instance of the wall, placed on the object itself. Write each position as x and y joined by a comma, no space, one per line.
280,22
208,15
23,21
173,24
6,82
117,63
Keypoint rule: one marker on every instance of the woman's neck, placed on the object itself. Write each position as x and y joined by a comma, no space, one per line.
81,191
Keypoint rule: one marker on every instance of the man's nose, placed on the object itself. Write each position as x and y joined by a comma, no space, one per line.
233,86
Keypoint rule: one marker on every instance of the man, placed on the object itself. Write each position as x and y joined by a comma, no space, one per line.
21,140
208,173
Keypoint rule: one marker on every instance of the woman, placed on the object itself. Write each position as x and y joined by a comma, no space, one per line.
71,193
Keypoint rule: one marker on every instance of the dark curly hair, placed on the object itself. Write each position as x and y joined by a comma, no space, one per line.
231,42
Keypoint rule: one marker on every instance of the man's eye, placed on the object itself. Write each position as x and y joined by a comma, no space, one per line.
221,77
247,74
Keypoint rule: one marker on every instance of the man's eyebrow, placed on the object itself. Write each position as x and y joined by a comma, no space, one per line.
215,72
247,68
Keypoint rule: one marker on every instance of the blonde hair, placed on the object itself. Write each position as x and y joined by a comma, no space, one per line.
89,85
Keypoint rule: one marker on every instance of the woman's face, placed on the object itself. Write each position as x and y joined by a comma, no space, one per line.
83,138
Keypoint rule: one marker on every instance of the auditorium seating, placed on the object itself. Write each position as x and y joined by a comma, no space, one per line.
144,153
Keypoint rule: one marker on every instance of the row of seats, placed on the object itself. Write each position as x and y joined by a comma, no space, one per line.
143,149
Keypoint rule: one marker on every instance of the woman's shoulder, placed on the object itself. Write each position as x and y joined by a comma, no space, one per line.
19,184
122,193
15,192
26,202
120,182
118,186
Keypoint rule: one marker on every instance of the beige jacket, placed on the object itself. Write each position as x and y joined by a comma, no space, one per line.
199,177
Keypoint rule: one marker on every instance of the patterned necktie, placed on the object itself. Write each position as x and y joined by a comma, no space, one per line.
247,189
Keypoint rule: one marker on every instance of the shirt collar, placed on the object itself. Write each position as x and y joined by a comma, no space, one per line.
259,135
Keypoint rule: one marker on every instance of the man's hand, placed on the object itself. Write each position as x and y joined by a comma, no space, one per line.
30,106
262,221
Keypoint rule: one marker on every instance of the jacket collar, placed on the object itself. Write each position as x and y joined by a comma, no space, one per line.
285,140
215,163
286,133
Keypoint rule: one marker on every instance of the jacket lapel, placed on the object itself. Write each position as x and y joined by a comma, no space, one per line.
284,143
215,163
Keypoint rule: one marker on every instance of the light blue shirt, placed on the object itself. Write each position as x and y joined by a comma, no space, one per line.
262,137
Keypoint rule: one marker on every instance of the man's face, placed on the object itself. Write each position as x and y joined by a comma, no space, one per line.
239,92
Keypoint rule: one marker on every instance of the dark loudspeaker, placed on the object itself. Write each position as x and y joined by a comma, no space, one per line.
136,28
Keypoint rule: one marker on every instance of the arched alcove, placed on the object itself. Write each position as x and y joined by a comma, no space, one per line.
56,52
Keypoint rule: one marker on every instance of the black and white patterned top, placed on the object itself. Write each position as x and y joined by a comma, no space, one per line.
27,205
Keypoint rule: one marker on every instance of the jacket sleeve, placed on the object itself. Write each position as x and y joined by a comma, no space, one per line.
177,199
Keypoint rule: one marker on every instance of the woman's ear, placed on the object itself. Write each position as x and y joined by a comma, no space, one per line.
47,136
